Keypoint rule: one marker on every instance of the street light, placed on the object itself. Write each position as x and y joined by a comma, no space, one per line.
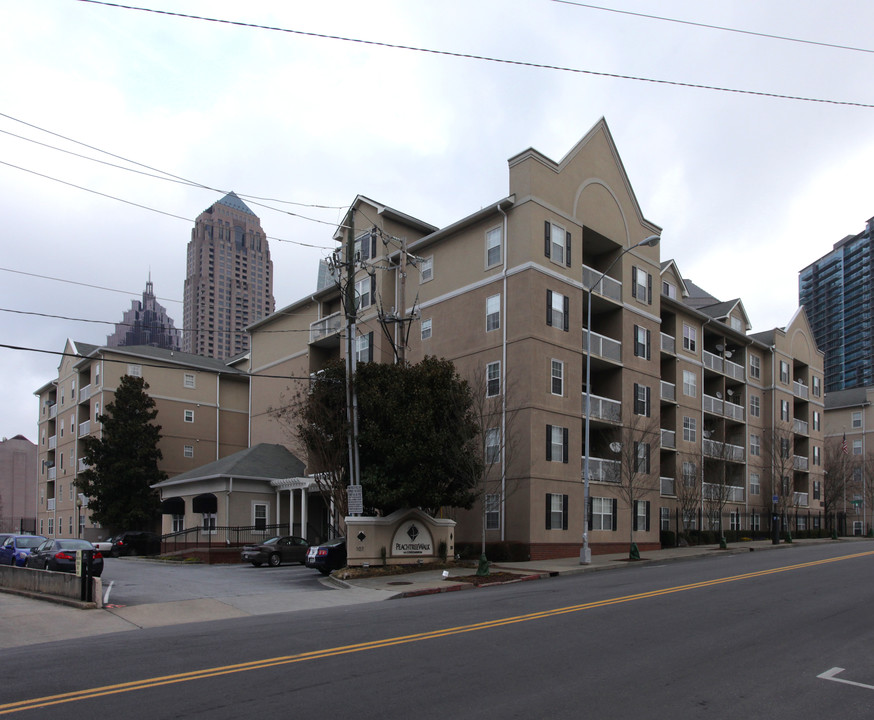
585,552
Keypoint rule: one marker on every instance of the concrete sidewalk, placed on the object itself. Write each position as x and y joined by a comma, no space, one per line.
24,620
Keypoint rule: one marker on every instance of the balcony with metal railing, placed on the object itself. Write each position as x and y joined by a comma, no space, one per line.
711,361
607,287
734,370
733,411
799,462
712,405
669,344
603,347
603,408
800,390
723,451
326,327
53,442
52,473
800,427
53,410
84,428
50,504
668,486
85,394
669,439
800,499
669,391
81,465
603,470
717,491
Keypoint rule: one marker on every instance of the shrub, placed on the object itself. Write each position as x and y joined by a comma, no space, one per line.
668,538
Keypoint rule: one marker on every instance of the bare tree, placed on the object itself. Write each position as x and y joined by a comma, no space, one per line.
839,468
718,490
777,446
867,491
496,439
689,489
638,442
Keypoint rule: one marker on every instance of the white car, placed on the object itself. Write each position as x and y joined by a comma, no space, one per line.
104,546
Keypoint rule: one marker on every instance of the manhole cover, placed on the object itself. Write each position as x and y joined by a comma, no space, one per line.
400,582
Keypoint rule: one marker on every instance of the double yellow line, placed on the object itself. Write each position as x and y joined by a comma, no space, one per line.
90,693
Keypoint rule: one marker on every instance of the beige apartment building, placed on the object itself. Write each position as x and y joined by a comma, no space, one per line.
202,409
720,426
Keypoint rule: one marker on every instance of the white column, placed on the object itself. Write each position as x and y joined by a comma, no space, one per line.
278,498
303,513
291,511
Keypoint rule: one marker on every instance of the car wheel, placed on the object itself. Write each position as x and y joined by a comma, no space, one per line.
275,560
324,571
257,563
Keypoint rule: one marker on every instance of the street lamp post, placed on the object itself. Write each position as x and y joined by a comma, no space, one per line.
585,551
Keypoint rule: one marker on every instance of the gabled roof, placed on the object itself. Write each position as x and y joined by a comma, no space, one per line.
264,461
667,265
389,212
147,352
852,397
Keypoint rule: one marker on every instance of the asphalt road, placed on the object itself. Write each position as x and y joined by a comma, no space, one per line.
758,635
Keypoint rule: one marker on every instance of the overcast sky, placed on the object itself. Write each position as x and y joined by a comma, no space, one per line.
748,188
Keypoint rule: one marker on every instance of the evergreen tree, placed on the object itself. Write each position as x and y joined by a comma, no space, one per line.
124,461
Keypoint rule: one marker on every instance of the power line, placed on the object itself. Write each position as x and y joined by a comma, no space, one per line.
484,58
716,27
88,285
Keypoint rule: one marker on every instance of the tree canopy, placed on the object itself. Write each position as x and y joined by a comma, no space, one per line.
417,434
124,460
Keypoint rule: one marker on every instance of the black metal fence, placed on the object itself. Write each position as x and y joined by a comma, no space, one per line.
706,528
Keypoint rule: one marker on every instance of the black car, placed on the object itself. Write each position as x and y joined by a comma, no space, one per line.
59,554
136,542
276,551
328,556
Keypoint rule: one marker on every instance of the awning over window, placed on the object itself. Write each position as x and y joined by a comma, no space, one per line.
206,503
173,506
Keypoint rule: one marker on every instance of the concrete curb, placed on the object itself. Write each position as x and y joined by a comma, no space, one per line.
468,586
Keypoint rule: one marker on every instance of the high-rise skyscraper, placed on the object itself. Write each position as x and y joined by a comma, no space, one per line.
229,279
146,323
836,292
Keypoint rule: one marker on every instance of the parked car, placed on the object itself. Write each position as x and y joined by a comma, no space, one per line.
104,546
328,556
136,542
59,554
276,551
16,548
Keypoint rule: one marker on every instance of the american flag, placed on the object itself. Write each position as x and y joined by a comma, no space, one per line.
844,444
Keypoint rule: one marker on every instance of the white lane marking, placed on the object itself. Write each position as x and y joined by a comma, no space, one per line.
830,675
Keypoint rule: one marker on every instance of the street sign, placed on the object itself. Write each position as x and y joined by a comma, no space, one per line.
355,500
776,499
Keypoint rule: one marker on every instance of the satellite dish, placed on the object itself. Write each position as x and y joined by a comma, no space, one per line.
615,446
720,348
728,353
730,392
719,394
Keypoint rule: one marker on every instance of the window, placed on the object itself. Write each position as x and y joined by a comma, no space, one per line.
817,388
135,370
493,512
784,372
755,484
755,406
603,514
690,337
690,429
188,416
641,400
188,380
664,518
188,451
817,458
557,244
259,517
178,523
817,490
207,525
641,342
856,420
557,377
736,324
641,285
690,383
669,290
493,445
426,329
493,247
816,420
641,515
364,348
784,448
426,269
556,511
755,445
784,410
857,447
556,444
557,310
365,245
493,312
493,379
365,291
641,452
51,526
755,366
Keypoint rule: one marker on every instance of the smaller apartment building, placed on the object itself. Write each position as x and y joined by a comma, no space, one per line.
715,417
202,410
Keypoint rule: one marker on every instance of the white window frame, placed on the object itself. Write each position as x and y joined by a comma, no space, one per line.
189,380
755,406
690,429
558,318
493,445
493,379
135,370
556,441
557,377
755,445
426,269
557,247
493,312
260,514
755,366
362,293
784,372
857,447
602,513
755,484
493,511
690,338
494,247
188,416
856,419
690,383
426,329
188,451
784,410
362,347
669,290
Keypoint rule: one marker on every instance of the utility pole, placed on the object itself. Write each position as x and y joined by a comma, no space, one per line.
402,303
351,316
